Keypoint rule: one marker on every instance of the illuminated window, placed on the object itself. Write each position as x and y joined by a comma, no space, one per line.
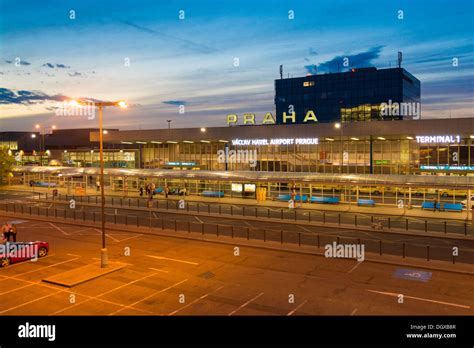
308,83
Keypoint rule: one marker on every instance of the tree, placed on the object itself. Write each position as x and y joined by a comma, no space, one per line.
6,163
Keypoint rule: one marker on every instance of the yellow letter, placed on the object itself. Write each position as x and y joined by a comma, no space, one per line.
310,116
231,118
268,118
249,118
292,117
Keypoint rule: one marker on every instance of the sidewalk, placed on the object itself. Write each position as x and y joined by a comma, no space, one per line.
342,207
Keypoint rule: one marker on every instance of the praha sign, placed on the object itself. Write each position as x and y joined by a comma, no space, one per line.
249,118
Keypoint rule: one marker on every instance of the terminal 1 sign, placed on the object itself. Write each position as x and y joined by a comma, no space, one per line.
249,118
435,139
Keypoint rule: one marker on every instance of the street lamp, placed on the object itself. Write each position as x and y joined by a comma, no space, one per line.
341,162
42,144
100,106
169,123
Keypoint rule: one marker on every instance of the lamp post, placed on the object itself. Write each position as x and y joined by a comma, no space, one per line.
341,162
100,106
169,123
42,144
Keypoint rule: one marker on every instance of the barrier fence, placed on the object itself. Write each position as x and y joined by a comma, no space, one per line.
319,241
376,222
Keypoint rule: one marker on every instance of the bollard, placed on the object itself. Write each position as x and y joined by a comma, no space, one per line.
115,219
256,212
295,214
281,213
337,240
268,213
465,229
445,229
220,209
426,225
309,216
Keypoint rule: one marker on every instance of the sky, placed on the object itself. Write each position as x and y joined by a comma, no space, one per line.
195,61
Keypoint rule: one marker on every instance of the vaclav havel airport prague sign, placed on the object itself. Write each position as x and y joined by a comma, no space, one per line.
249,118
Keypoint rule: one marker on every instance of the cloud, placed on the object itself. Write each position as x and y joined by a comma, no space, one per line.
52,66
174,102
23,97
359,60
22,62
76,74
311,69
312,52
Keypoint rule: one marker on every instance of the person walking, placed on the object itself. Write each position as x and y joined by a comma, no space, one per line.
13,231
6,231
167,191
141,191
97,185
435,204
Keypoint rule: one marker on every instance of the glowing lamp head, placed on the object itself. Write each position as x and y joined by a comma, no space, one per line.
337,125
122,104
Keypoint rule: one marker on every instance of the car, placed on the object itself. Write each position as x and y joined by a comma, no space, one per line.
42,184
464,203
16,252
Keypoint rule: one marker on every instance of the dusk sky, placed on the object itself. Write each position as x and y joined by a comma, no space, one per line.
190,61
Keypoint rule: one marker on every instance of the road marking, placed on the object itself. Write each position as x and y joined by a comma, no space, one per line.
122,240
146,298
21,287
73,255
199,220
421,299
305,229
158,270
156,216
297,307
41,268
105,293
59,229
27,303
196,300
176,260
245,304
355,266
354,311
114,239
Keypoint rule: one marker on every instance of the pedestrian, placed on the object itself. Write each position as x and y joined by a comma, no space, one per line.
183,191
167,191
6,229
13,232
147,189
97,185
141,191
153,188
435,204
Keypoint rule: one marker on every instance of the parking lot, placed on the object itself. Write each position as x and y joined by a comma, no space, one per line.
173,276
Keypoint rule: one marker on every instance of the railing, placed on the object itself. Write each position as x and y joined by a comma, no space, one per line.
316,240
342,219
